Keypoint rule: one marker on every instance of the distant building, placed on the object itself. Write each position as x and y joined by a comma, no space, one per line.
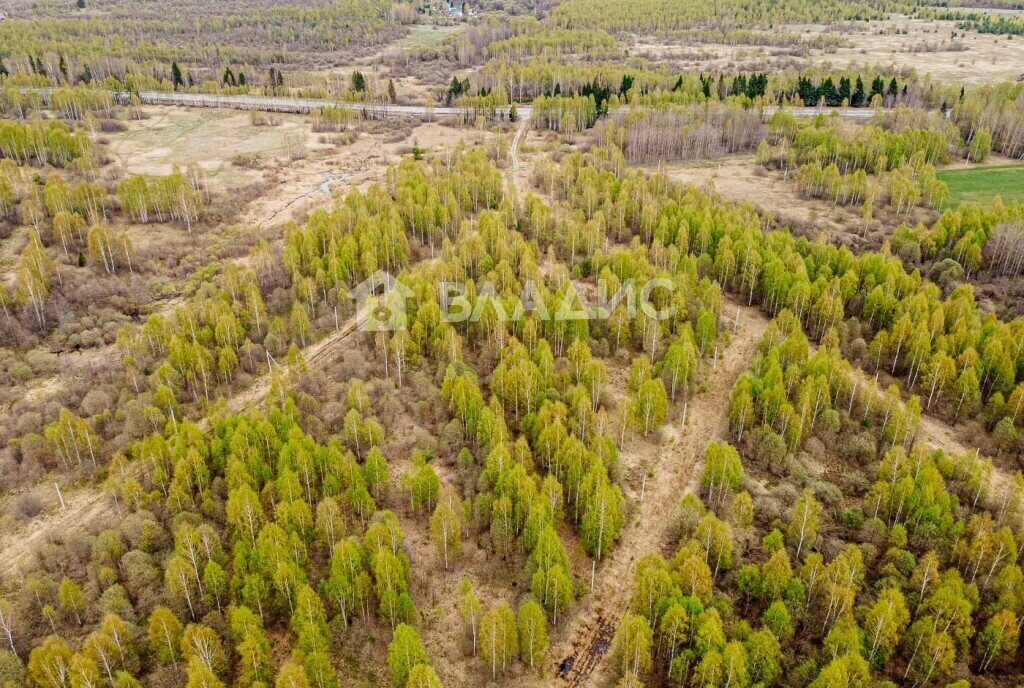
460,10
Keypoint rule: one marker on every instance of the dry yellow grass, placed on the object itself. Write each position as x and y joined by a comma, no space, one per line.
985,58
208,137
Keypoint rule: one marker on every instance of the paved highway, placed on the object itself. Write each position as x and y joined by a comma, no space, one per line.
307,105
282,104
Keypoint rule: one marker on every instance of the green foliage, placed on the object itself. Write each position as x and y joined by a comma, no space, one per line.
499,638
405,653
49,663
422,482
647,16
632,646
446,527
165,635
852,169
265,524
43,143
72,599
423,676
169,198
147,40
723,472
533,633
565,113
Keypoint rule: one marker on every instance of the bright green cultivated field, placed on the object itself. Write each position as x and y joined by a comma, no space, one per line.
981,184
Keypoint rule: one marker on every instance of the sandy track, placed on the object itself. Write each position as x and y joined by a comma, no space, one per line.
524,124
84,506
676,472
316,355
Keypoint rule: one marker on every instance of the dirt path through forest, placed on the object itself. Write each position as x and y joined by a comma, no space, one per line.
316,355
84,505
676,472
11,247
579,655
514,171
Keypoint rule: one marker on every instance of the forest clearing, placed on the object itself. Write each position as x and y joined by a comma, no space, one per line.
983,185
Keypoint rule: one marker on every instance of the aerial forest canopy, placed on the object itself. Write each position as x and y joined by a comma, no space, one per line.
513,342
666,15
114,39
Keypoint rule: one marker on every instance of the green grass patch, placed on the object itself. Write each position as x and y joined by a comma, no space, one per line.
427,35
981,184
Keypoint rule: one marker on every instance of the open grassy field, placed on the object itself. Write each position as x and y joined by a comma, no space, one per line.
901,43
426,36
982,184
